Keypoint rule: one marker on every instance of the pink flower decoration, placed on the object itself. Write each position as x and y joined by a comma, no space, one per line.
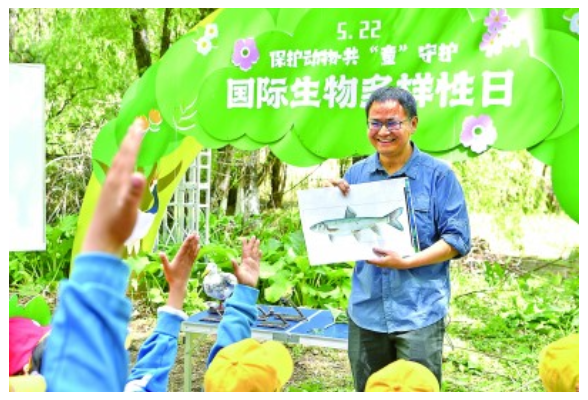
245,53
478,133
497,20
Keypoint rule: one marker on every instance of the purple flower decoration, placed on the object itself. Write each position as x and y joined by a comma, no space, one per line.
491,44
497,20
478,133
245,53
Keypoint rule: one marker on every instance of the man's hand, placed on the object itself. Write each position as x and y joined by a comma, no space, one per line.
389,259
116,212
177,273
341,184
247,272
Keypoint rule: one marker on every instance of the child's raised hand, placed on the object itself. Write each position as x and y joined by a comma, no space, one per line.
116,212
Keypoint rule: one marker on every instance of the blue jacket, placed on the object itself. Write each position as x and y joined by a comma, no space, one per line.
86,348
390,300
85,351
157,355
240,315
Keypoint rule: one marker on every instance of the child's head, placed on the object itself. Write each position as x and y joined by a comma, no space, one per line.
403,376
248,366
559,365
25,345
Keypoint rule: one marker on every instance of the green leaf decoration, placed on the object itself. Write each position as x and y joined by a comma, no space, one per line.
36,309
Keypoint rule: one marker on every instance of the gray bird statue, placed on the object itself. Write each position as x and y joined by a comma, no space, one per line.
218,284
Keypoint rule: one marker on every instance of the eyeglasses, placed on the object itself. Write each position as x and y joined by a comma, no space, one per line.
391,125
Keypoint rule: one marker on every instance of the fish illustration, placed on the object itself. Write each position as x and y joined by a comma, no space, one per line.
352,224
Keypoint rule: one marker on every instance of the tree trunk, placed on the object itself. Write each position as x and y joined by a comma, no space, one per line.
278,175
248,195
344,164
13,27
205,12
165,32
232,197
140,40
222,179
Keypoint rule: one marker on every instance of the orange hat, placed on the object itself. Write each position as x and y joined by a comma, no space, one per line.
559,365
248,366
403,376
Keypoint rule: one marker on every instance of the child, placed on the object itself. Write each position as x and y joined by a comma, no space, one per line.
158,354
236,362
403,376
86,348
559,365
256,367
249,366
26,341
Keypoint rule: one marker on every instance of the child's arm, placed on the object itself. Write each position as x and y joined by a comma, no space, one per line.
157,355
85,350
240,309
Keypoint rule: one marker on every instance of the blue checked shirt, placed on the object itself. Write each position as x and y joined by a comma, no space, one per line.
390,300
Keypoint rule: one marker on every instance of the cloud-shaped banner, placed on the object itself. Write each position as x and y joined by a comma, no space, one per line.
317,80
561,52
565,173
297,80
190,61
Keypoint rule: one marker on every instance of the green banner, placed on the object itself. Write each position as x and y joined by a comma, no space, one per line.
297,80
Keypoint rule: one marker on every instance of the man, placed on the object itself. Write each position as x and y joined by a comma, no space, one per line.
397,305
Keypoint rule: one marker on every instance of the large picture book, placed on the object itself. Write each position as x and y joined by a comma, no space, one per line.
341,228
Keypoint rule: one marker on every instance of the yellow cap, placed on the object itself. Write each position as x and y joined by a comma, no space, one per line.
248,366
403,376
559,365
27,383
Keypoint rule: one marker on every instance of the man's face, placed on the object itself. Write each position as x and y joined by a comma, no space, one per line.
389,128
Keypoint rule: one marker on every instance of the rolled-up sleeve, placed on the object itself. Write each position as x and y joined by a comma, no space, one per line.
452,214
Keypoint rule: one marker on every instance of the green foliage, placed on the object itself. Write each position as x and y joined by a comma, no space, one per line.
89,64
148,284
285,270
506,185
316,386
506,182
33,272
502,318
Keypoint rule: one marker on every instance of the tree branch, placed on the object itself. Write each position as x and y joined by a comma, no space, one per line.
68,101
